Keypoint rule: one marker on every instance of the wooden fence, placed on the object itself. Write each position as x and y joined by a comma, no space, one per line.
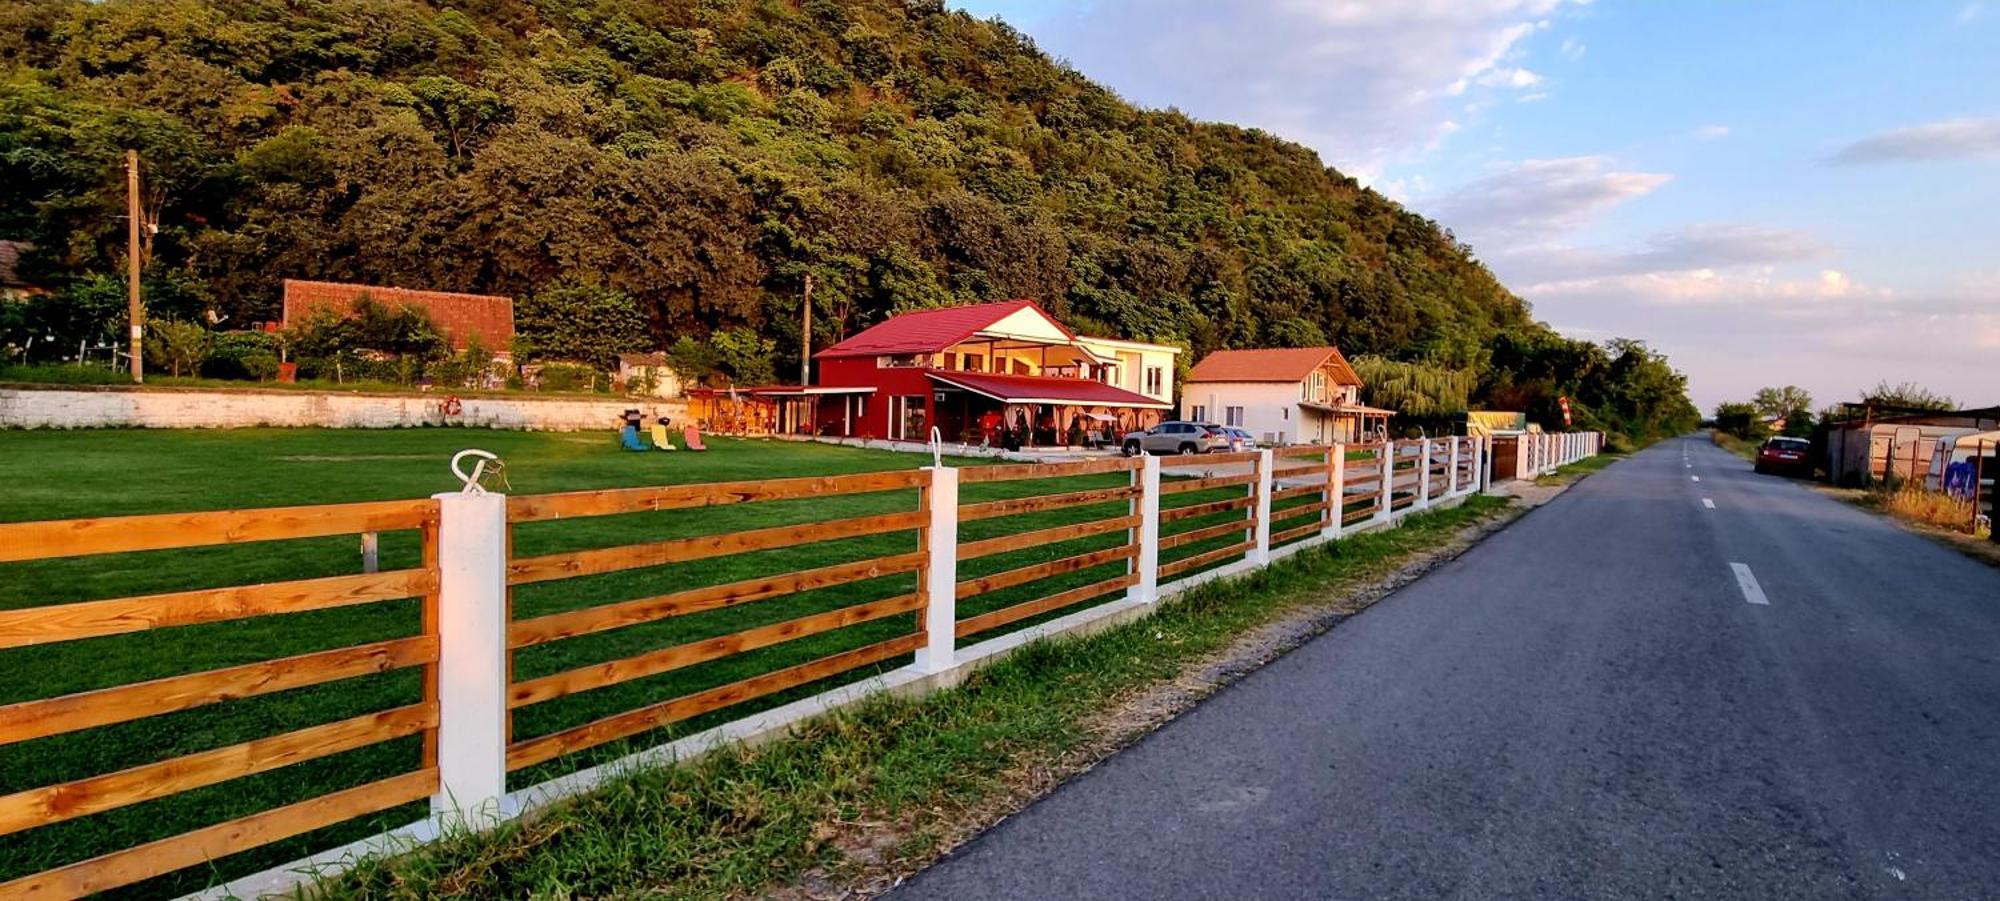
579,622
107,791
537,618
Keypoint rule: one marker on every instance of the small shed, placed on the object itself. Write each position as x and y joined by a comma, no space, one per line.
1874,447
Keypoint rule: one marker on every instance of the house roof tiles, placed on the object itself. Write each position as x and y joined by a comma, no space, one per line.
1276,364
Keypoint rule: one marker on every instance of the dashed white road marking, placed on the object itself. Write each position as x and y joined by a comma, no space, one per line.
1708,503
1752,592
1696,478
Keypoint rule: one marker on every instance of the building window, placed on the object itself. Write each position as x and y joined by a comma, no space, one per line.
972,363
1232,416
1154,379
1314,388
901,361
1200,412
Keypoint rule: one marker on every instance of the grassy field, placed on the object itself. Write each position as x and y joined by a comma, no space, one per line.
97,473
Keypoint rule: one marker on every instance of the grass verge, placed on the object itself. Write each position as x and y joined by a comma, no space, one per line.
1574,471
883,788
1742,447
1927,514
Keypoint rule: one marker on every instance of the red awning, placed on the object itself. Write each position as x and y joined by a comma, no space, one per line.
1034,389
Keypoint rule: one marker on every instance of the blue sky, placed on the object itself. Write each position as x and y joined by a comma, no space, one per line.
1772,193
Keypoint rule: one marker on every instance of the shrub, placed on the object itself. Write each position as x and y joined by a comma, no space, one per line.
181,347
233,352
465,369
1911,501
570,377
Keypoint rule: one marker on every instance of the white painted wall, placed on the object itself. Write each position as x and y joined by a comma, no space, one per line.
180,408
1268,407
1134,358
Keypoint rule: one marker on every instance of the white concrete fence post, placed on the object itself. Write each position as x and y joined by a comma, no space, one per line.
1424,476
1336,490
1451,471
1388,478
472,659
1261,553
1147,506
940,573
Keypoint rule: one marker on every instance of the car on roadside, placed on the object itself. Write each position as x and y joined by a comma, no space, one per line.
1239,439
1176,438
1784,455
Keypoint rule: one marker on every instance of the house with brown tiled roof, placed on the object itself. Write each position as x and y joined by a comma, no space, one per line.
1287,395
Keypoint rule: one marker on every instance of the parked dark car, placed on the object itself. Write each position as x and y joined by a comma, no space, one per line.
1786,456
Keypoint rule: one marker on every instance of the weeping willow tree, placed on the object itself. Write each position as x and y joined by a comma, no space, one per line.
1415,389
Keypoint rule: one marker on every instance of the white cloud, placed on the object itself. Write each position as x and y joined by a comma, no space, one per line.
1573,49
1711,132
1509,78
1953,139
1771,293
1969,12
1365,83
1540,198
1703,246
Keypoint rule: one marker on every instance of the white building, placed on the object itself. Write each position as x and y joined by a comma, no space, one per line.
1293,395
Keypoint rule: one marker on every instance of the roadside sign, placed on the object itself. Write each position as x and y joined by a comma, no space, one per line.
1565,405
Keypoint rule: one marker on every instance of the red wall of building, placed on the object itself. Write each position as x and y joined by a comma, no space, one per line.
861,372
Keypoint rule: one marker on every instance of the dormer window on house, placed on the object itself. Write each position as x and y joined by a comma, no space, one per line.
1314,387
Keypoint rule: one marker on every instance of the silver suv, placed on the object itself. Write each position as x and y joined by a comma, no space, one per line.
1176,438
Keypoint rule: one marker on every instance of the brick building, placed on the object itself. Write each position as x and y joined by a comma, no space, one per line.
458,317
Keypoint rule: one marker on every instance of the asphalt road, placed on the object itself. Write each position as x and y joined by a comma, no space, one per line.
1586,705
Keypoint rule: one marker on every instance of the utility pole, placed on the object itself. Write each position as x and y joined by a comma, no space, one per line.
135,312
806,336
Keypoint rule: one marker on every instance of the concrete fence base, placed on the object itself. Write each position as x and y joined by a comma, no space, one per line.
26,407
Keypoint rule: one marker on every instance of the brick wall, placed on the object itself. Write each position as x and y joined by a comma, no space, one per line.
457,316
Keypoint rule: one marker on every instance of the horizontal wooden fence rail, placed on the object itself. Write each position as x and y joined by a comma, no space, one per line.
538,508
646,710
694,614
68,717
1054,577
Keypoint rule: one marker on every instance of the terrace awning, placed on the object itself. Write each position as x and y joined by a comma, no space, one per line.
1032,389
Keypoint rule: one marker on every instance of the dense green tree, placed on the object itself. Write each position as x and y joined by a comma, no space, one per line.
1775,402
579,321
702,157
1908,395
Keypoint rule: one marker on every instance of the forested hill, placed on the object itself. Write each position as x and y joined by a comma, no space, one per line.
701,157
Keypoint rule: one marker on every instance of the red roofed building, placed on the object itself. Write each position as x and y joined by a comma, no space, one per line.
458,317
1285,395
976,371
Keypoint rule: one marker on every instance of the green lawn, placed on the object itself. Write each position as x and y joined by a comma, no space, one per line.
50,475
